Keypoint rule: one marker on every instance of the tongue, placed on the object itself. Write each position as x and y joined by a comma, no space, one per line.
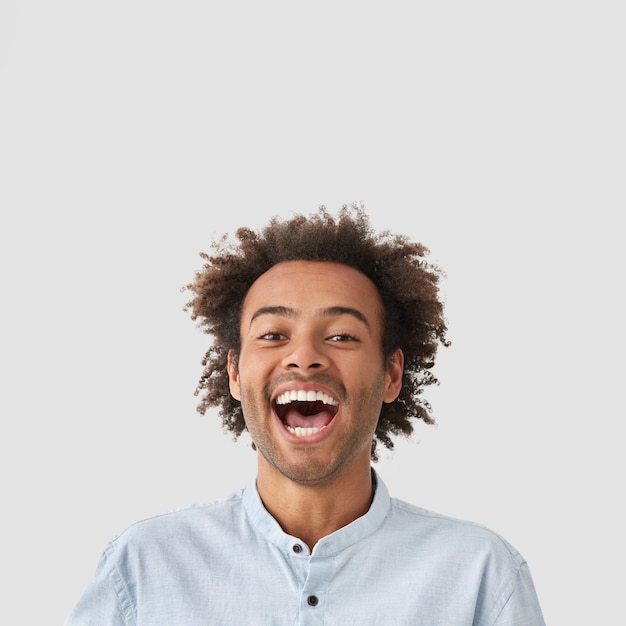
294,418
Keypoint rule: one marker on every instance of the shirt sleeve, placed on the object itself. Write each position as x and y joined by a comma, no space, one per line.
102,601
521,606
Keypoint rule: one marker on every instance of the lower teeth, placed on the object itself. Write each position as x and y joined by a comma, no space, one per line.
298,431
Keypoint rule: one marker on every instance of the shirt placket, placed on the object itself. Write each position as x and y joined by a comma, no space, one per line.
313,599
316,571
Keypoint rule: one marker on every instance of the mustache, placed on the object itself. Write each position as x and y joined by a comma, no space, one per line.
321,378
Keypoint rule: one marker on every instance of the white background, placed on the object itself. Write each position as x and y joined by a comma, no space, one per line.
132,133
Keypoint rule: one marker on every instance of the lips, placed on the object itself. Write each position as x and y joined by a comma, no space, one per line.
305,412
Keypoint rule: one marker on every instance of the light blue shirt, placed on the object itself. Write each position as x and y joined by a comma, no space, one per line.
228,562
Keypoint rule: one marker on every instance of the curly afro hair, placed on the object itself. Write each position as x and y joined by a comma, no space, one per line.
407,283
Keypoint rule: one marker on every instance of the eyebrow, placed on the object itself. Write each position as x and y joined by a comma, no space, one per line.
331,311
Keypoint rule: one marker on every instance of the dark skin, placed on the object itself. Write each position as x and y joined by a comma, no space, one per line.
407,284
313,327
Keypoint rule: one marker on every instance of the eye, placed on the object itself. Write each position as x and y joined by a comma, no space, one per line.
273,336
341,337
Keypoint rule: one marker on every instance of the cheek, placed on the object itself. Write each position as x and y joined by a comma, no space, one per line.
369,396
252,390
255,370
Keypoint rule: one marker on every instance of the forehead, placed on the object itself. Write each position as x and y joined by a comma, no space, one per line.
307,286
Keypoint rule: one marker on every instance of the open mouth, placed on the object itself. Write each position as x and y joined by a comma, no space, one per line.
305,412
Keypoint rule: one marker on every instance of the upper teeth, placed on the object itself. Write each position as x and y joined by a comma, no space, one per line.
305,396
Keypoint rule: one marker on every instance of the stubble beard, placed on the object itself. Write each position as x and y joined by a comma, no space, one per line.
309,467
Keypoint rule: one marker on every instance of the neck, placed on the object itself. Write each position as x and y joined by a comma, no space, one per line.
311,512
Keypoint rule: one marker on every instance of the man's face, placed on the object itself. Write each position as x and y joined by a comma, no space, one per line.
310,373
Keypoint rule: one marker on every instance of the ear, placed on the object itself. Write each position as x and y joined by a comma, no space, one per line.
393,376
233,375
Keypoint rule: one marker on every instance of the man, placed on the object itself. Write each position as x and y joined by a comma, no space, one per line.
324,336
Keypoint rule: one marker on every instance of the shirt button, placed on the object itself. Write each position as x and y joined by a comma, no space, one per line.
312,600
297,548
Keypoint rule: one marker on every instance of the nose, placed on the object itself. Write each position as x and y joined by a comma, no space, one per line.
305,354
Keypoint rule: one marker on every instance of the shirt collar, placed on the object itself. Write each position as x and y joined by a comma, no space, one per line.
326,546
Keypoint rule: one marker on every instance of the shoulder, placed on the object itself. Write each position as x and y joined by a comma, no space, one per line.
464,558
214,518
457,538
146,559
